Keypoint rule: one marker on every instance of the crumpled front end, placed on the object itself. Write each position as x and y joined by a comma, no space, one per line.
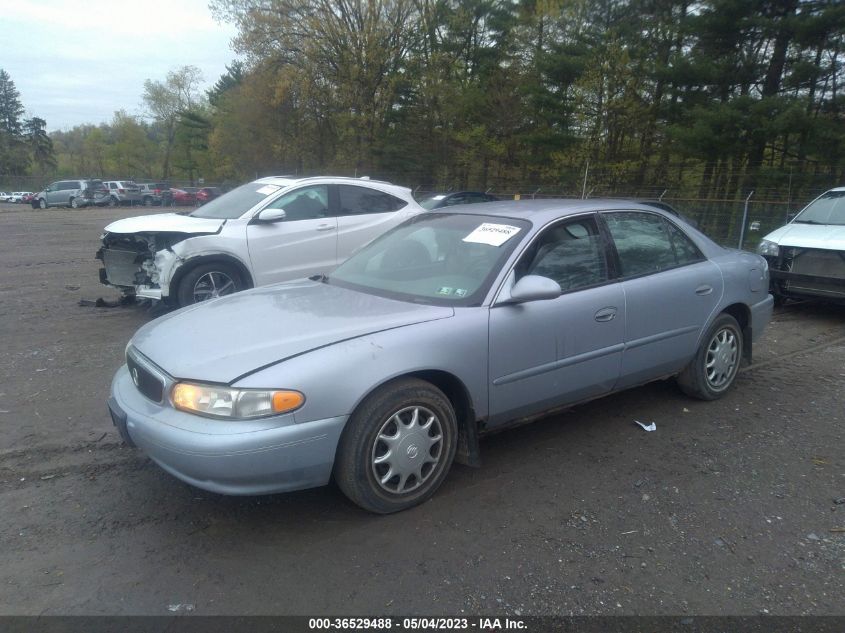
139,265
809,272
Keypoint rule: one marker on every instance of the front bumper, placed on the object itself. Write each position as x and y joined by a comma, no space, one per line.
238,458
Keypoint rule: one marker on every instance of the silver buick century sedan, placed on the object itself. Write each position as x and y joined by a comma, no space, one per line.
452,325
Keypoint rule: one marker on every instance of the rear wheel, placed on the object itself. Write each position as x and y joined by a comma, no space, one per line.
113,202
209,281
74,203
397,447
713,370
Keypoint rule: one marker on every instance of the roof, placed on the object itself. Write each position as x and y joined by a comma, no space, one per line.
288,180
547,209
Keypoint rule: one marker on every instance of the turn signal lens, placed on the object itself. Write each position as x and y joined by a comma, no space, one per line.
240,404
287,401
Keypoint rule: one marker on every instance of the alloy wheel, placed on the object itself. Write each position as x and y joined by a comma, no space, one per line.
212,285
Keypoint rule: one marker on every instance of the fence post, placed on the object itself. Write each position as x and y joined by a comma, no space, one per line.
584,186
744,220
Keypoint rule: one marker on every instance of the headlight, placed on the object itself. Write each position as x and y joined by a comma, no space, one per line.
225,402
769,248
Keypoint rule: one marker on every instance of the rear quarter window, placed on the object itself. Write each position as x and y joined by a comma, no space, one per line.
360,200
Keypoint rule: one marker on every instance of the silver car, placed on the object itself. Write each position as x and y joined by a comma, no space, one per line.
66,193
123,192
455,323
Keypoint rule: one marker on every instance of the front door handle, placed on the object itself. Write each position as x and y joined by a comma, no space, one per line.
606,314
325,227
704,290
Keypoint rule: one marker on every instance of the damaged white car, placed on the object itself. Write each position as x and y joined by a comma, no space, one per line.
270,230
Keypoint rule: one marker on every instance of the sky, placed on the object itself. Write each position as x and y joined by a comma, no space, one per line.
77,62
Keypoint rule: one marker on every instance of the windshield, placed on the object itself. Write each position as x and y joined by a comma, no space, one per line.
441,259
828,209
432,202
235,203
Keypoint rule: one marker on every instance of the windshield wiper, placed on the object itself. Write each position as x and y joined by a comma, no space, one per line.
809,222
320,277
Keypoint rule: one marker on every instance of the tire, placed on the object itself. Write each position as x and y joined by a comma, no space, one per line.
74,204
39,204
362,465
148,202
209,281
712,372
113,202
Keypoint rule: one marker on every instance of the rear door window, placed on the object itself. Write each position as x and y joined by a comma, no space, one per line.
644,245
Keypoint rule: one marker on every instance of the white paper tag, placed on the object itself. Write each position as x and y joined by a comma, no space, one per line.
492,234
268,189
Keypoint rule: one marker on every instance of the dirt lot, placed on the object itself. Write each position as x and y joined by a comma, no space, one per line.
729,507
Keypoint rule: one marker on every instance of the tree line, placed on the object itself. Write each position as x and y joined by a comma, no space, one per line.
713,98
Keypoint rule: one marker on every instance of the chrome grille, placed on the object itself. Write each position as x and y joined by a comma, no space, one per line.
147,382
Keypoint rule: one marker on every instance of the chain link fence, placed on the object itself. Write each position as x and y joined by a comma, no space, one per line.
735,221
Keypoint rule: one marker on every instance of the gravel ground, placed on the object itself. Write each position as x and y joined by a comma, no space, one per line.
729,507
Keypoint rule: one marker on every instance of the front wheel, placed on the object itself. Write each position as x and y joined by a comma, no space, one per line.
74,203
209,281
397,447
713,370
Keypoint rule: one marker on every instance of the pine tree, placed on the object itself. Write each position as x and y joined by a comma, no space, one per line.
13,155
11,107
40,145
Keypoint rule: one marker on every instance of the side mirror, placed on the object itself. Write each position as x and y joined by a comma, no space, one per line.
534,288
47,189
271,215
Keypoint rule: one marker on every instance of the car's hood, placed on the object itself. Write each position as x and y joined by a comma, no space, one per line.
226,338
165,223
830,236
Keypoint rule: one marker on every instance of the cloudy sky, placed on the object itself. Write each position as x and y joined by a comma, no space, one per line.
78,61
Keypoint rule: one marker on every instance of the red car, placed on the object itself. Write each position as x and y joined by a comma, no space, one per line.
206,194
184,197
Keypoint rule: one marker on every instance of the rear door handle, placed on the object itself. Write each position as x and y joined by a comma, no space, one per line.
325,227
606,314
704,290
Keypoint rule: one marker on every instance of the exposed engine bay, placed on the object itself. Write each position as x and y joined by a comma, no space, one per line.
139,264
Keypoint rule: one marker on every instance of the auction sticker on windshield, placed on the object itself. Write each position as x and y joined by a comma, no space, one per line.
268,189
492,234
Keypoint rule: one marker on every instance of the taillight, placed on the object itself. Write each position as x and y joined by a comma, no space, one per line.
121,191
